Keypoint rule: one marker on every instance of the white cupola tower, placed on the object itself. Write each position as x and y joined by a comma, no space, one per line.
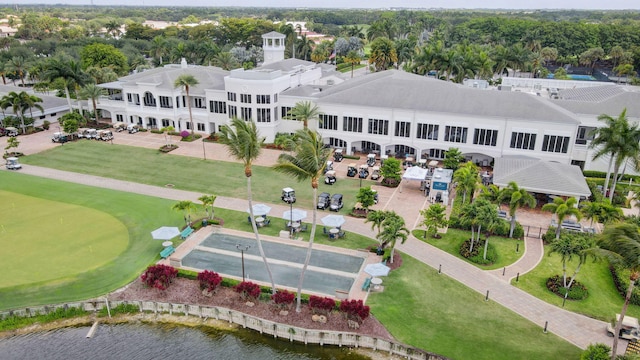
273,45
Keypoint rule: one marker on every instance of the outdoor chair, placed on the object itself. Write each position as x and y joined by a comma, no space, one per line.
303,227
324,231
341,234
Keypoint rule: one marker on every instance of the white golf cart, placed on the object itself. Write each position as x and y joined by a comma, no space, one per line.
133,128
375,173
11,131
630,329
119,127
330,177
371,159
105,135
288,195
13,163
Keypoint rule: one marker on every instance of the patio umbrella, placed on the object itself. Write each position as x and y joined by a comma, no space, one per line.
333,220
165,233
377,269
260,209
294,215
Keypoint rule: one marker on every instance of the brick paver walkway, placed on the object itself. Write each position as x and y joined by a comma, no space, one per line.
578,329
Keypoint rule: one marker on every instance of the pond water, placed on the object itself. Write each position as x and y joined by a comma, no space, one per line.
147,342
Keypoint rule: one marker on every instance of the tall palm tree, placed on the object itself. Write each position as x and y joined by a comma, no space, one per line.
186,81
490,193
467,178
225,60
376,218
516,197
93,92
307,163
622,242
568,247
69,72
304,111
187,206
208,200
393,228
19,104
158,48
352,58
605,141
562,208
17,65
600,211
383,53
245,144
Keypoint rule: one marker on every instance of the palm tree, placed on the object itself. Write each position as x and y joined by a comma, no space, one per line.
600,211
158,48
225,60
19,104
376,218
187,206
393,228
487,216
434,217
570,246
93,92
383,53
308,163
562,208
69,72
622,242
467,179
304,111
245,144
352,58
186,81
490,193
516,197
17,65
208,200
113,27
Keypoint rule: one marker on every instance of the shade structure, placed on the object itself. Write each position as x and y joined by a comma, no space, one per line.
377,269
165,233
294,215
260,209
333,220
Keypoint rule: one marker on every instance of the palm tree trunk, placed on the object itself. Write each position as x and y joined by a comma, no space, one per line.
513,225
255,231
190,115
615,182
573,278
486,246
473,237
309,249
564,273
614,347
66,93
606,180
393,248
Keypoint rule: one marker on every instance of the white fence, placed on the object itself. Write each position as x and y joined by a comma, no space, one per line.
283,331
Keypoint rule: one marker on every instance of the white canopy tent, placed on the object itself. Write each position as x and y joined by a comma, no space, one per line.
414,173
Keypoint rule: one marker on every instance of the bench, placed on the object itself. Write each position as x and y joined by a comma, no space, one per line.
366,285
186,232
167,252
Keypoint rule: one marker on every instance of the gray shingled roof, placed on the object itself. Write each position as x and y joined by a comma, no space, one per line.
401,90
592,94
541,176
50,103
285,65
595,101
209,77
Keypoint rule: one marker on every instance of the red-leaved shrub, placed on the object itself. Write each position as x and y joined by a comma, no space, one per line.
184,133
283,298
209,280
159,276
321,305
248,290
354,309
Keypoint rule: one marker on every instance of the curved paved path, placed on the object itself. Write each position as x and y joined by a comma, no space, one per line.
577,329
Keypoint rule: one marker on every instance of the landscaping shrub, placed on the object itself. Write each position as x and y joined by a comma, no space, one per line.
477,255
248,290
168,148
156,131
120,309
46,124
188,274
621,281
209,280
354,310
213,137
15,322
190,138
159,276
321,305
577,291
283,299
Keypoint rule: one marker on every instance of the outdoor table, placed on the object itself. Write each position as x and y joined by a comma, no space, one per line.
259,221
376,282
167,243
334,230
295,226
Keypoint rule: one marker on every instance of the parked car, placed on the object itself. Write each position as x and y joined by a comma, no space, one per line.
59,137
288,195
105,135
336,202
630,329
11,131
337,155
330,177
371,159
13,163
364,172
324,201
133,128
375,173
351,170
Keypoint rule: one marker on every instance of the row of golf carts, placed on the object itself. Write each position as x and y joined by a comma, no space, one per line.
325,200
9,131
363,171
130,128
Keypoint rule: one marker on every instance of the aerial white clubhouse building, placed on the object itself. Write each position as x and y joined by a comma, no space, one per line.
390,112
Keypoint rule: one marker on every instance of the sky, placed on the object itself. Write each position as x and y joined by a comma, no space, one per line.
374,4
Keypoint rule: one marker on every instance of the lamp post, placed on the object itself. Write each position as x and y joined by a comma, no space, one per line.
291,218
242,249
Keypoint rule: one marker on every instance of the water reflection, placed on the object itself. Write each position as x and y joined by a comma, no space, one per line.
146,342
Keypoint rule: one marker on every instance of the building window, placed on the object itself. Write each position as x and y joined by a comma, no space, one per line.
436,154
218,107
199,103
553,143
328,122
165,102
264,115
428,131
337,143
369,147
584,135
188,125
200,126
119,118
245,98
403,129
231,96
178,102
485,137
245,113
263,99
165,123
404,150
149,100
285,112
378,127
351,123
524,141
133,98
455,134
233,112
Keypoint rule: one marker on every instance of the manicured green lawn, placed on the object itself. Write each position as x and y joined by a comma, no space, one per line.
138,214
45,240
603,301
434,312
148,166
451,241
